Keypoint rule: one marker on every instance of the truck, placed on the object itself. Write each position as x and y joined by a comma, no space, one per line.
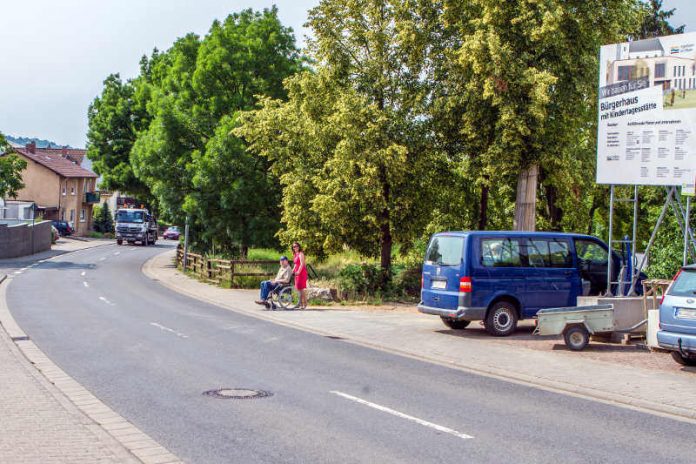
135,225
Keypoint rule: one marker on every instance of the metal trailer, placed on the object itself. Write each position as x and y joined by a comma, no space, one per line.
578,323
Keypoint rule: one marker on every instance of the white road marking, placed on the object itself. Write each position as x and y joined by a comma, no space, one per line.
132,249
105,300
167,329
116,253
83,273
103,258
439,428
85,284
17,272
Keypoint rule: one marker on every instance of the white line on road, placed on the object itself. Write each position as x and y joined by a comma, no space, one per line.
105,300
439,428
103,258
167,329
85,284
132,249
83,273
17,272
116,253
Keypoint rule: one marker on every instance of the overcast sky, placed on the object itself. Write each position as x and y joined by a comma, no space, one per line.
54,54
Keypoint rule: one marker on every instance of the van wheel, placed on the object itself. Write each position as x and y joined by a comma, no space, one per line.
455,324
501,320
576,337
679,358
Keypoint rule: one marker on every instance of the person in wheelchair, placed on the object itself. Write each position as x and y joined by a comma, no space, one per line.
283,278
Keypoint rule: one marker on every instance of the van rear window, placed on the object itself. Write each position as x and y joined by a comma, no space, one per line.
685,285
445,251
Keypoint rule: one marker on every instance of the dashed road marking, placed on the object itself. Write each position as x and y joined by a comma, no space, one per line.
103,258
422,422
116,253
132,249
167,329
85,284
105,300
83,273
17,272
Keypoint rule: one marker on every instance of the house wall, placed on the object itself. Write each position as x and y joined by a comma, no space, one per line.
41,185
16,241
72,194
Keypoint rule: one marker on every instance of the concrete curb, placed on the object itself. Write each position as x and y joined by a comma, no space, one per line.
139,444
673,412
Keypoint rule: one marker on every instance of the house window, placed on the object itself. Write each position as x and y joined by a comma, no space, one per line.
62,215
64,189
82,215
72,190
625,72
659,70
72,215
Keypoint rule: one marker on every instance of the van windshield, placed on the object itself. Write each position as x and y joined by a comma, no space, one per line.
445,251
129,216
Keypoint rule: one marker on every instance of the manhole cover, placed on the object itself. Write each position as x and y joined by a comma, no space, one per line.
237,393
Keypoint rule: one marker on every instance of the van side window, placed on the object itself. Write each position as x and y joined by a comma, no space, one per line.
500,252
549,253
590,252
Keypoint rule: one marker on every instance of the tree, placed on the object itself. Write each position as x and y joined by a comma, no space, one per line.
103,220
11,167
115,118
351,145
656,21
529,68
196,89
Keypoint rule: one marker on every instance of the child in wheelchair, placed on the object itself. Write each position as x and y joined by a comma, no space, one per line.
269,288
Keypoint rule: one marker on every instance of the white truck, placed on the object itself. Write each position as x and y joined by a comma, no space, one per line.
135,225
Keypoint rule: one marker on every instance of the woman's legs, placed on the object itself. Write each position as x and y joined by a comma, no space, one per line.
303,298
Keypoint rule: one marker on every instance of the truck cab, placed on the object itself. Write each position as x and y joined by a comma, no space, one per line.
135,225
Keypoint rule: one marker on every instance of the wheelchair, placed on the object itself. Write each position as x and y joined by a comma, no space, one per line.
284,297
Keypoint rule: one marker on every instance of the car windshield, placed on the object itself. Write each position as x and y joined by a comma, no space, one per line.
129,216
685,285
173,229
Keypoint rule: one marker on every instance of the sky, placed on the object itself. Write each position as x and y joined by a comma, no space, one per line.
55,54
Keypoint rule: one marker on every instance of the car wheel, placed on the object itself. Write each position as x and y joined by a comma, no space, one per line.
684,361
145,241
119,242
455,324
576,337
501,320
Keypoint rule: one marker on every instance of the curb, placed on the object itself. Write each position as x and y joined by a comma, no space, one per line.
139,444
672,412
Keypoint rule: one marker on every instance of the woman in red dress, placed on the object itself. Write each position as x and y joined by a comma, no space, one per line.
300,271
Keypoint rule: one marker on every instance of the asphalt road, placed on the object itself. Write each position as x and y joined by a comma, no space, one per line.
150,353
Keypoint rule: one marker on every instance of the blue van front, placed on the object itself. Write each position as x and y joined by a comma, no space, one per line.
446,285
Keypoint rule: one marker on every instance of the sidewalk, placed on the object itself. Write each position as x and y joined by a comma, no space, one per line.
45,416
415,335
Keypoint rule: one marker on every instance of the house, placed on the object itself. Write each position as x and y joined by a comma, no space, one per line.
648,59
60,187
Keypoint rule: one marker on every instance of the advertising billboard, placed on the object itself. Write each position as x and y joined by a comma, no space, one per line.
647,112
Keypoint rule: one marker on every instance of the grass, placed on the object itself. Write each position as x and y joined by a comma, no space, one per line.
680,103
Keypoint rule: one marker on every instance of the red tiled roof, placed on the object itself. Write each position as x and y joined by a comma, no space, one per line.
55,160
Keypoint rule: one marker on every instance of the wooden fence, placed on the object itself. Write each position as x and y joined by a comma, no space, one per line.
221,271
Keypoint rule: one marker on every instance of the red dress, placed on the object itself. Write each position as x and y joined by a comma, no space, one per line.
300,272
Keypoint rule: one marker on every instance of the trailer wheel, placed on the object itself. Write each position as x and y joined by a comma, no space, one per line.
119,242
684,361
576,337
455,324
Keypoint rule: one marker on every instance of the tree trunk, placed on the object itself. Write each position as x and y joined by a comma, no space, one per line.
525,204
554,211
385,236
483,208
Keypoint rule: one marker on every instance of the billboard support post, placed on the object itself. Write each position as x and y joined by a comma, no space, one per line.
611,232
686,230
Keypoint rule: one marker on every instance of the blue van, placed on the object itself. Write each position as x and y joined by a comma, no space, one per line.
502,277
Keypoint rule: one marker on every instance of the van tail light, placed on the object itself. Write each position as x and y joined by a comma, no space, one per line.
422,281
670,286
465,285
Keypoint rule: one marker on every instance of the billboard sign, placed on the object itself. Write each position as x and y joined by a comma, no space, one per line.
647,112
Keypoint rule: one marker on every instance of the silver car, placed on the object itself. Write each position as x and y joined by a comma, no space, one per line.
678,317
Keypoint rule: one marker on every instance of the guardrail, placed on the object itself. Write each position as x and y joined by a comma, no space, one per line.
221,271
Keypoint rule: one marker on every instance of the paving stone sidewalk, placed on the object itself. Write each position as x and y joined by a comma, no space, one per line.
38,423
416,335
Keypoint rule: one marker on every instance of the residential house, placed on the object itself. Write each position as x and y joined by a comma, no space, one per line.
60,187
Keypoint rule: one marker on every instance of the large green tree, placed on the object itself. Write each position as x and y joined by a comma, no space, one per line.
528,71
351,146
656,21
189,157
11,167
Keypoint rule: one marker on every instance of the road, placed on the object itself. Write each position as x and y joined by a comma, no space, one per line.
150,354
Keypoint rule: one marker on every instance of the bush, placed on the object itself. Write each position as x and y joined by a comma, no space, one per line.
361,279
103,221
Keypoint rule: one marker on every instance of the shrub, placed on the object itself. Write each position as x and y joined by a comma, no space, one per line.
361,279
